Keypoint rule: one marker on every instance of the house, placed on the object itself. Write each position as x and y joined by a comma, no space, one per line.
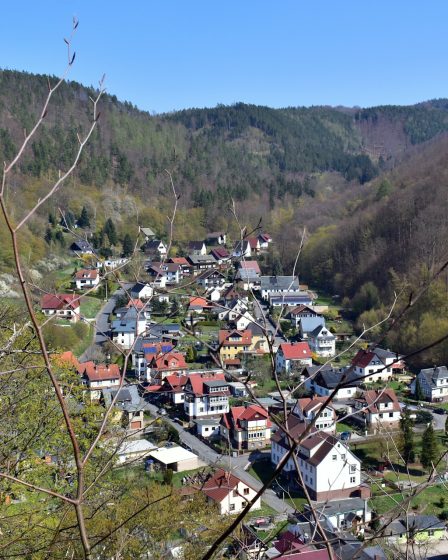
433,383
173,387
231,310
308,409
229,493
164,273
247,427
238,389
290,299
141,290
98,377
130,405
134,449
86,278
292,355
211,278
329,469
322,342
343,514
82,247
264,240
206,394
111,264
233,342
376,364
415,528
144,351
323,381
214,293
64,306
147,233
124,330
290,547
197,248
207,427
305,319
254,243
242,249
216,238
199,263
165,364
221,255
278,285
198,304
377,409
185,266
260,343
248,274
155,248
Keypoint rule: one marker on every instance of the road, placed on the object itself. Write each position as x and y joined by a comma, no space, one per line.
102,324
235,464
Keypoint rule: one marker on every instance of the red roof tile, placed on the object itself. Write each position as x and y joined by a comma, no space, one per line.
90,274
244,338
99,372
296,350
60,301
220,485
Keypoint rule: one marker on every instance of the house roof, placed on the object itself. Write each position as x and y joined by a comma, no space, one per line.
196,245
210,272
330,377
60,301
295,350
372,398
196,381
244,338
221,484
324,443
153,244
279,282
201,259
304,308
67,358
136,303
215,234
249,413
364,357
171,360
81,246
322,332
434,374
265,237
179,260
290,299
90,274
295,427
196,301
99,372
220,253
307,405
161,268
147,231
253,242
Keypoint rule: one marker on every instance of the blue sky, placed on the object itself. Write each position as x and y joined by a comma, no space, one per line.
173,54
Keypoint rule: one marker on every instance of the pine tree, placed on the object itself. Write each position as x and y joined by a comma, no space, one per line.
446,426
110,231
429,447
418,391
128,246
189,356
84,220
407,448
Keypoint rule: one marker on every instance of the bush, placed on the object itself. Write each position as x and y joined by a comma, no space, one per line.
168,477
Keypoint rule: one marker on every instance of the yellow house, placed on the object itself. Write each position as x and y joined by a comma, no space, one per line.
232,343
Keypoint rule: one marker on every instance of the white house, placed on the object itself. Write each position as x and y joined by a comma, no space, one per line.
329,469
64,306
86,278
156,247
433,383
376,365
278,285
291,355
242,249
306,410
163,273
206,394
230,494
125,329
99,376
324,380
322,342
378,409
141,290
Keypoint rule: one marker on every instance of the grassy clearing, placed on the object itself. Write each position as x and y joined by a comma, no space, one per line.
341,427
427,502
90,306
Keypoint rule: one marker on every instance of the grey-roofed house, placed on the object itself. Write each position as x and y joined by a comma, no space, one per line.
323,380
148,233
141,290
276,285
289,299
308,324
415,527
433,383
197,248
322,341
130,404
81,246
201,262
125,329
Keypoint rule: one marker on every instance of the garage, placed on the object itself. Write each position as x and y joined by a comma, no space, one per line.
176,458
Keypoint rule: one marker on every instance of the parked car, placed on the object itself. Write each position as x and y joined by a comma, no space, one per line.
345,436
440,411
162,412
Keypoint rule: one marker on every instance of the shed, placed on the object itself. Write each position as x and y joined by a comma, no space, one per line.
176,458
135,449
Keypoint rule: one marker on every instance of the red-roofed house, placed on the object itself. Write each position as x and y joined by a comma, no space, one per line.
173,387
247,426
67,359
306,410
65,306
264,239
229,492
162,365
375,365
292,354
378,408
86,278
206,394
99,376
198,304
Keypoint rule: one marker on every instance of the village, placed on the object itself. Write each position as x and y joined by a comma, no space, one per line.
219,356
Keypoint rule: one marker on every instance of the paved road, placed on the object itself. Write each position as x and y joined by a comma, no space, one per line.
261,313
235,464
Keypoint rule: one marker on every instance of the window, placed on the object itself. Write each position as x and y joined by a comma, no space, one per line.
235,493
334,457
343,457
232,507
391,414
352,468
246,491
352,479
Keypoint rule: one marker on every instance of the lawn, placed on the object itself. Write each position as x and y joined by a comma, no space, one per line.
427,502
341,427
90,306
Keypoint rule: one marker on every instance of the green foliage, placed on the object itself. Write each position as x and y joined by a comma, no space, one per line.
384,189
128,246
418,390
168,477
84,220
429,452
406,426
110,231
